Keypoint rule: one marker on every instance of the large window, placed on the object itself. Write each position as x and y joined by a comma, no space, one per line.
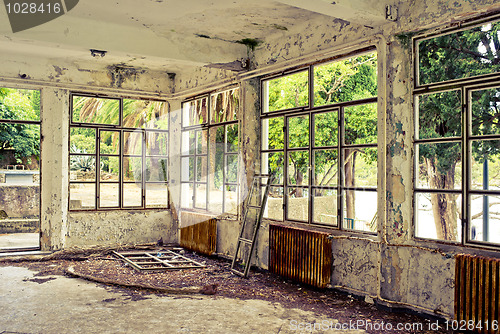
118,153
210,144
457,137
319,141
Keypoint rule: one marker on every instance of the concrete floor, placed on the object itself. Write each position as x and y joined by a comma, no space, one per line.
29,304
19,240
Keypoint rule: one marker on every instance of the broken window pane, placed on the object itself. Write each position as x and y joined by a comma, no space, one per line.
157,195
20,104
272,133
437,216
325,206
298,204
96,110
326,129
195,112
145,114
224,106
298,131
109,195
485,218
82,196
360,124
82,140
360,210
476,48
439,165
326,167
132,194
286,92
346,80
439,115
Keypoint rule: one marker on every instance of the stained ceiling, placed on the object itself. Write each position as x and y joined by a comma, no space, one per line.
169,35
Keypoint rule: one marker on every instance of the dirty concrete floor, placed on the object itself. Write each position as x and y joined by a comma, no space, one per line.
58,304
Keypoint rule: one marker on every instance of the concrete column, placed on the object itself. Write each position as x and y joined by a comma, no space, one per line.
175,157
54,167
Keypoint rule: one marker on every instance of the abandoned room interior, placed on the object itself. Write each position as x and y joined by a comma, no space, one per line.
126,122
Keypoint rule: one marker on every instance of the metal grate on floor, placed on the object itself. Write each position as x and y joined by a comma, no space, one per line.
157,260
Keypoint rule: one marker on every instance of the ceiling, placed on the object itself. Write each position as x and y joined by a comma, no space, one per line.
169,35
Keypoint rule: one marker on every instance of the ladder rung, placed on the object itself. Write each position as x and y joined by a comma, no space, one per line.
237,272
254,206
248,241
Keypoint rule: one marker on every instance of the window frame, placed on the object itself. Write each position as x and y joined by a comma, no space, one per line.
465,87
121,155
311,111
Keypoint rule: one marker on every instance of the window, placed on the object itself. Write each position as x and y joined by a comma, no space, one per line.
210,143
319,141
457,137
118,153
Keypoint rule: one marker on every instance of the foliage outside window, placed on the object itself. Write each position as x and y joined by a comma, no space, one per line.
457,139
209,161
323,153
118,153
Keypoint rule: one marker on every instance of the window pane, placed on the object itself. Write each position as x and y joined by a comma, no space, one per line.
201,196
274,207
360,210
485,216
298,204
145,114
232,168
216,195
201,142
110,169
132,169
325,206
82,168
364,161
188,142
187,172
272,133
326,129
108,195
195,112
360,124
437,216
439,115
486,175
298,131
82,196
326,167
82,140
187,195
132,194
272,164
486,112
96,110
201,169
110,142
346,80
231,200
232,138
224,106
461,54
132,143
290,91
19,104
157,195
156,169
298,168
439,166
156,143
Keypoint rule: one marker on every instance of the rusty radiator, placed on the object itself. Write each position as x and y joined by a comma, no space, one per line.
301,255
477,293
200,237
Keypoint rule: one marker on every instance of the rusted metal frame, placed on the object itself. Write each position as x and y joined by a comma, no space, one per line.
177,255
132,263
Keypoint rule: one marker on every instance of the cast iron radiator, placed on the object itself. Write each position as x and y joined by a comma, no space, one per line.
200,237
301,255
477,293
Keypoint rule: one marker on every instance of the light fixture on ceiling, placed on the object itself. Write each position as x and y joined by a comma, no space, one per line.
97,53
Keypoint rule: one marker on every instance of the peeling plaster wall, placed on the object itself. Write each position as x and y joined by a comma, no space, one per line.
120,227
